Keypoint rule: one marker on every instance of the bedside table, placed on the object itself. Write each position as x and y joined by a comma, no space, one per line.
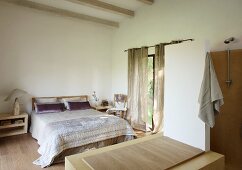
13,124
102,108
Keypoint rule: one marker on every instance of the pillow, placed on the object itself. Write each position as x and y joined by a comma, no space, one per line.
49,107
71,99
46,100
79,105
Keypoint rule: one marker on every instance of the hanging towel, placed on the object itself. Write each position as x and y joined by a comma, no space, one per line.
211,97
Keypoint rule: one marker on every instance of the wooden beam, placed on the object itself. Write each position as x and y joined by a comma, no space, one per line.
104,6
149,2
62,12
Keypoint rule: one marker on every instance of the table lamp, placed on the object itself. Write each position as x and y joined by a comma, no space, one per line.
14,95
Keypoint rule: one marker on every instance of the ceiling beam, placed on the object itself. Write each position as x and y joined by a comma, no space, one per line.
62,12
149,2
103,6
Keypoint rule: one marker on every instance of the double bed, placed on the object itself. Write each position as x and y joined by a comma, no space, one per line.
69,132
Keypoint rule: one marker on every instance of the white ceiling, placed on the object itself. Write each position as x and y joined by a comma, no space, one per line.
95,12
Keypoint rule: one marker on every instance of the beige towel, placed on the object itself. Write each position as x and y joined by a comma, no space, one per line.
211,97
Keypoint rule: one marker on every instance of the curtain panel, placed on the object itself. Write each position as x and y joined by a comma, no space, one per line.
138,87
159,88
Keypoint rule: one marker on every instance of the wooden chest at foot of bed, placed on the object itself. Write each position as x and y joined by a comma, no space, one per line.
151,152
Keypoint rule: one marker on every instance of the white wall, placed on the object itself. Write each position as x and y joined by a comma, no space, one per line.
208,22
51,55
183,73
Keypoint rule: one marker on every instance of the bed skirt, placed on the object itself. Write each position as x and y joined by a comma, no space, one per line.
61,157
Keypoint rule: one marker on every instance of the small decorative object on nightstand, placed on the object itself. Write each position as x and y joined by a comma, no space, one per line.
13,124
14,95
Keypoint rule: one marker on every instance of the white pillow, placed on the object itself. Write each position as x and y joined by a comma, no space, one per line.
46,100
71,99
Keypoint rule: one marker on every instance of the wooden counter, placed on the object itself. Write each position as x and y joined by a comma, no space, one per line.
151,152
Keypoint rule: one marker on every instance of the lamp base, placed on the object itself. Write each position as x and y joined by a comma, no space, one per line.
16,108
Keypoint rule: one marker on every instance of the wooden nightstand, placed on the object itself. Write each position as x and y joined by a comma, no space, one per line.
13,125
102,108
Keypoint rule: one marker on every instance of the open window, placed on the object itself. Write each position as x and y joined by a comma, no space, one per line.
151,77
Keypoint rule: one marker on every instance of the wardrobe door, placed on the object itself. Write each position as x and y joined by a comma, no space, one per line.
226,136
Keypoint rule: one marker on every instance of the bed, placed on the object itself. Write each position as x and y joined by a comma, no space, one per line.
69,132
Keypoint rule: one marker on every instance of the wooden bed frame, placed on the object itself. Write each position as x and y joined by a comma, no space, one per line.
85,97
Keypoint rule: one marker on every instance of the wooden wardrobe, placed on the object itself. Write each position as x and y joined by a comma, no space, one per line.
226,136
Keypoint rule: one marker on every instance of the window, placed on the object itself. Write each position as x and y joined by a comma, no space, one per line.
151,77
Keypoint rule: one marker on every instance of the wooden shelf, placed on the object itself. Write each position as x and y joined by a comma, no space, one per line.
10,117
12,132
12,125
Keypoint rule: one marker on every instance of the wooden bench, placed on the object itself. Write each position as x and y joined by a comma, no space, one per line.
151,152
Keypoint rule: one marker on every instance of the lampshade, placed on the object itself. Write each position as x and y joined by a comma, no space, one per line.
16,93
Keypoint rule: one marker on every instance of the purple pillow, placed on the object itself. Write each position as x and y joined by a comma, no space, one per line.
79,105
49,107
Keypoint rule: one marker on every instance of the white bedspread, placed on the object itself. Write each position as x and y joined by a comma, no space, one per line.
57,132
39,121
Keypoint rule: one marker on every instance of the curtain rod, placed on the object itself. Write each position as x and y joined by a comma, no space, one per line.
170,43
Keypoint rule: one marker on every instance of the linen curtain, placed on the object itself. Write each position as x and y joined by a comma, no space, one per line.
138,87
158,88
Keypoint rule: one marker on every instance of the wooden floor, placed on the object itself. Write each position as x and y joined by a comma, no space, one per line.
18,153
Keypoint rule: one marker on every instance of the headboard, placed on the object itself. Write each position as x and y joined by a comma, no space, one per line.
85,97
